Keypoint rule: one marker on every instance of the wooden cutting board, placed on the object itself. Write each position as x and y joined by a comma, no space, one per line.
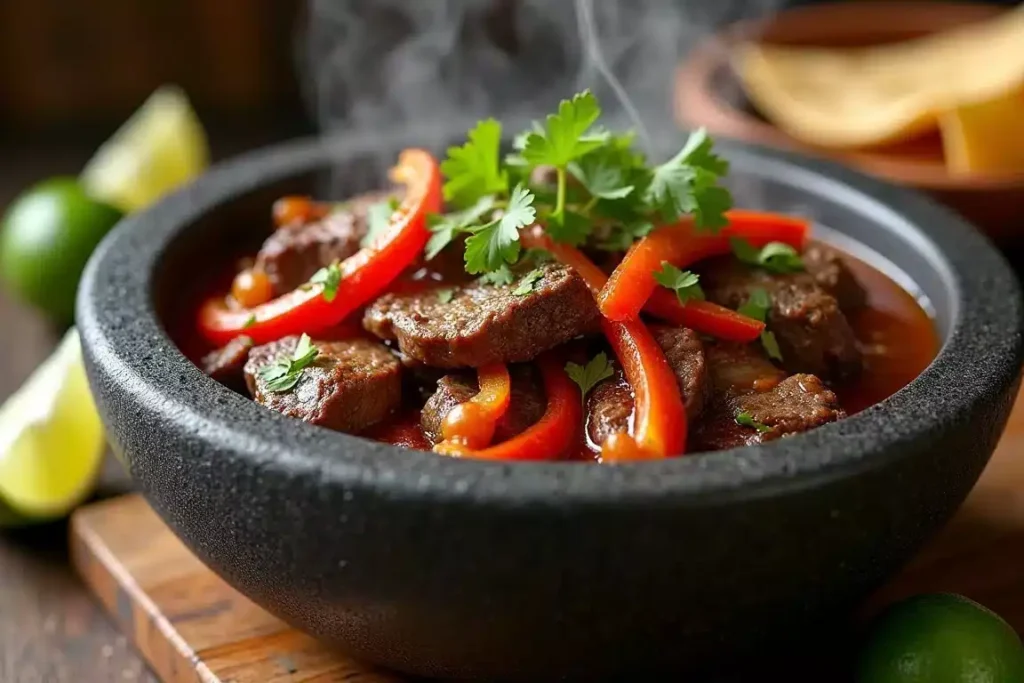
192,628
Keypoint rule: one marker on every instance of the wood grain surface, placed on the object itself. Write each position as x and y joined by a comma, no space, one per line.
191,626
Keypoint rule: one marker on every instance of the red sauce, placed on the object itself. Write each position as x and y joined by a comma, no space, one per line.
897,336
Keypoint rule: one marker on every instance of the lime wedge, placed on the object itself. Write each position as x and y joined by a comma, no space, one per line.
160,147
51,440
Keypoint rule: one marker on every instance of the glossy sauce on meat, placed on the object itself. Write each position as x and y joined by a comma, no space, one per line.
894,335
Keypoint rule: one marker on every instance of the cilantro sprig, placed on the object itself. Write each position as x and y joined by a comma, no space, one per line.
603,194
587,376
684,283
282,374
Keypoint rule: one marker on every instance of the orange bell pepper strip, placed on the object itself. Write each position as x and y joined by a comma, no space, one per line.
632,283
364,275
471,424
552,435
660,422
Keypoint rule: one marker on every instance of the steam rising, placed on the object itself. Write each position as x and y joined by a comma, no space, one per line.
377,69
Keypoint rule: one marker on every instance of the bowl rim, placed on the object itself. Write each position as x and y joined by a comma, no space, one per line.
116,315
697,103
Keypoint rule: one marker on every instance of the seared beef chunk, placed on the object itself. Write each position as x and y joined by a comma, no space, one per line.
293,253
747,383
226,363
739,369
526,406
484,323
351,385
833,275
610,404
813,334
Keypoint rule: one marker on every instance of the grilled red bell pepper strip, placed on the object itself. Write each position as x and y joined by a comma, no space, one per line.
704,317
660,417
471,424
551,436
632,282
364,275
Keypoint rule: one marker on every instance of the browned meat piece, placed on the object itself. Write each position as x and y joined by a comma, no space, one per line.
483,323
813,334
351,385
796,404
526,406
610,404
293,253
226,363
834,276
745,381
739,369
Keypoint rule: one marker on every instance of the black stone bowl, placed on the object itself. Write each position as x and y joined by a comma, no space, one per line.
528,572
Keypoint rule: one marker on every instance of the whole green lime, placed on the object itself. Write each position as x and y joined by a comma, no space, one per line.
46,238
941,639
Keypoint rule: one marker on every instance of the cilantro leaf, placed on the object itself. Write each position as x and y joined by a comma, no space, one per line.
250,321
445,228
282,374
378,218
492,245
601,176
445,294
569,228
565,136
474,170
775,257
536,256
498,277
527,282
587,376
687,184
330,278
683,282
771,345
757,307
745,419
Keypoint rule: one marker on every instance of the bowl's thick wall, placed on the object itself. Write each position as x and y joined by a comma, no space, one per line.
526,572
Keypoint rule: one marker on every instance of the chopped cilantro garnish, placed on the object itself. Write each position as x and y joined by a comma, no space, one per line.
283,374
587,376
596,178
445,294
757,307
497,243
378,218
249,322
474,169
527,282
683,282
330,278
775,257
745,419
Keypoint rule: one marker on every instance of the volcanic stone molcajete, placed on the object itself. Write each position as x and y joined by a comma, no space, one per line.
529,572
